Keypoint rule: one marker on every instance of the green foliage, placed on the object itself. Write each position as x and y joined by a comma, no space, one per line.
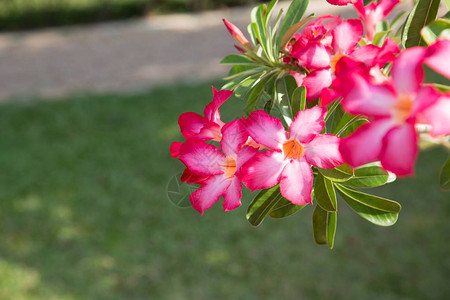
444,178
438,29
324,226
423,13
380,211
262,204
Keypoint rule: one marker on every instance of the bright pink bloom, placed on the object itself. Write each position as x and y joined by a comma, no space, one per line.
394,107
374,13
289,159
320,47
237,34
196,127
218,173
339,2
438,57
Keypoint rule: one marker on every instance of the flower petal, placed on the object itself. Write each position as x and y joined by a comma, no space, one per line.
347,35
211,110
400,150
426,96
362,97
316,81
202,158
191,124
189,177
296,182
438,57
175,149
307,124
234,135
313,55
246,153
265,129
407,72
365,144
209,192
323,151
438,116
263,171
232,196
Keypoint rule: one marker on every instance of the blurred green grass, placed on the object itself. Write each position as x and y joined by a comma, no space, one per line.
30,14
84,215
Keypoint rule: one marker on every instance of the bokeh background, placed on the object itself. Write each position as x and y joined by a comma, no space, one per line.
85,169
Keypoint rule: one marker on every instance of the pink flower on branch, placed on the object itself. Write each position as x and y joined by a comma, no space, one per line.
395,107
218,173
196,127
289,159
374,13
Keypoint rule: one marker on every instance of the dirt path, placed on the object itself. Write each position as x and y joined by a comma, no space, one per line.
122,56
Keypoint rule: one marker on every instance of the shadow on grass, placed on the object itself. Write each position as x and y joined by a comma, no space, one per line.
84,215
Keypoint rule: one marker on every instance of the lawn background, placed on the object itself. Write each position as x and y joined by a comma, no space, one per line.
84,215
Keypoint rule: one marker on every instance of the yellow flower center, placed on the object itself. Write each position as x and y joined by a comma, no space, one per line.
229,167
334,61
292,149
403,108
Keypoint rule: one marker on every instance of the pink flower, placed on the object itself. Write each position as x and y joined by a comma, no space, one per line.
374,13
339,2
237,34
395,107
438,57
196,127
219,174
289,159
320,47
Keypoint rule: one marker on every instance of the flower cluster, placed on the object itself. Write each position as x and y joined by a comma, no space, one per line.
351,105
256,151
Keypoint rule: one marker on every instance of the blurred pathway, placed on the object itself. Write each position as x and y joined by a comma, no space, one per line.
123,56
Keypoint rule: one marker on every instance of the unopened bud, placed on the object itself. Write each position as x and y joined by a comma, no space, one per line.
237,34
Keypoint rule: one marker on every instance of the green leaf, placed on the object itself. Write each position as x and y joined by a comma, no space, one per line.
333,106
285,208
298,100
325,194
331,228
257,92
234,59
284,86
380,211
244,86
339,174
324,226
439,28
258,19
379,38
444,178
294,14
368,177
447,4
423,13
262,204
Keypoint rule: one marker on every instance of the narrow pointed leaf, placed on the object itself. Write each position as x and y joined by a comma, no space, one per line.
325,194
444,178
368,177
331,228
298,100
284,208
324,226
294,15
283,88
320,217
257,93
262,204
380,211
234,59
423,13
438,29
339,174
